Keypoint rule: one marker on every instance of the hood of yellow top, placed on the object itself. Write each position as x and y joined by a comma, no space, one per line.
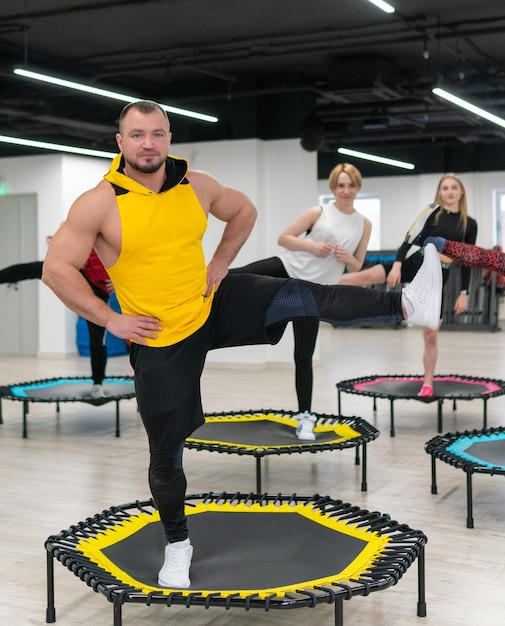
176,168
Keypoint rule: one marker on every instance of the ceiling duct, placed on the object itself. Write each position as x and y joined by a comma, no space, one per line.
363,78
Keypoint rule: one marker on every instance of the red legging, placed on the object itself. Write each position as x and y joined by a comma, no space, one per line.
474,256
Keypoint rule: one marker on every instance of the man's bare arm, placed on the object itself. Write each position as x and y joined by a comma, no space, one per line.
68,251
235,234
228,205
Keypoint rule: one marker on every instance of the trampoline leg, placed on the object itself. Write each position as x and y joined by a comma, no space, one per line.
392,417
433,476
469,503
484,425
454,407
50,611
339,611
25,411
440,418
339,402
258,474
57,407
356,457
1,416
117,612
118,433
375,405
421,599
364,486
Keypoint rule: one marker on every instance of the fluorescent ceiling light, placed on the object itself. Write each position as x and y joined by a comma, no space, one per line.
53,80
387,8
44,145
376,159
446,95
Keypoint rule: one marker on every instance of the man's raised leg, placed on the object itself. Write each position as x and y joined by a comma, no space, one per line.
419,302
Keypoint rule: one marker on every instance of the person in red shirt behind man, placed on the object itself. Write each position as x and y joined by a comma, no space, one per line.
99,281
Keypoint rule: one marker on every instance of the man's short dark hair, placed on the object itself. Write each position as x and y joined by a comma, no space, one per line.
144,106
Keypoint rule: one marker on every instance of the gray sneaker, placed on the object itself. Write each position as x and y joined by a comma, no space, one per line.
422,298
414,232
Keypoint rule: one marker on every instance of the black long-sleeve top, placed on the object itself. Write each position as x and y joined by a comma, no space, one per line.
448,226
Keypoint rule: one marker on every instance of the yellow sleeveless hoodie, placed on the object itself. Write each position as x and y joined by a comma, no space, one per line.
161,270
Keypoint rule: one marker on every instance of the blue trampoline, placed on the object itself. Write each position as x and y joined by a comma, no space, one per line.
72,389
475,452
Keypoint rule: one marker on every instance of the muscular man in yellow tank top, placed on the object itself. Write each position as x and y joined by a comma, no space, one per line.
173,223
146,220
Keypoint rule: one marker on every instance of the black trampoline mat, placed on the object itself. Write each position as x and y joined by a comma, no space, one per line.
409,388
256,433
491,452
242,551
69,389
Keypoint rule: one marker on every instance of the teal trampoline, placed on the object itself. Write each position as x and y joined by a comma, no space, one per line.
70,389
474,452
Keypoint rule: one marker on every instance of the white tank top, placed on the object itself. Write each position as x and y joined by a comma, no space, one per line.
335,227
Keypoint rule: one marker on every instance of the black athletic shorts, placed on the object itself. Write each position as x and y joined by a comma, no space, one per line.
410,266
167,380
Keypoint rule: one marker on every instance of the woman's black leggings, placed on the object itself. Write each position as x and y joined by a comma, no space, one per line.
28,271
305,330
21,271
97,345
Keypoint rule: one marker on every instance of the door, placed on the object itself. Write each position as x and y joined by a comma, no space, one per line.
18,303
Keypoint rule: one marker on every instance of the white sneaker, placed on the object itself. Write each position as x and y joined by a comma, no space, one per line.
97,392
417,227
422,298
305,426
175,571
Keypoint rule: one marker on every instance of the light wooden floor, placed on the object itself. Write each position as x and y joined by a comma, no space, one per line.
71,466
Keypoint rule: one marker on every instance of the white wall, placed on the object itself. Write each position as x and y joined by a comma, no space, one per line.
278,176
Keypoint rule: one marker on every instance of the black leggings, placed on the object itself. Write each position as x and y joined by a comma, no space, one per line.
168,481
97,346
305,330
28,271
21,271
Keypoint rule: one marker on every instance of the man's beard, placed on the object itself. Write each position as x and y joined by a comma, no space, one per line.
149,168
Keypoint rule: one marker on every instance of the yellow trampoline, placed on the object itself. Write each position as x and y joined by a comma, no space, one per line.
273,432
250,551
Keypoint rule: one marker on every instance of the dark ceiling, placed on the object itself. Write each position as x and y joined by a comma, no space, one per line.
330,72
